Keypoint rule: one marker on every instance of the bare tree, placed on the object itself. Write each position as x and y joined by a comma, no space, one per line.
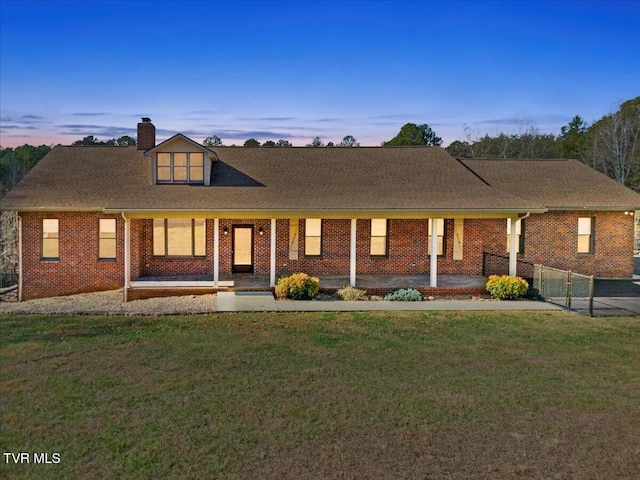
615,142
8,242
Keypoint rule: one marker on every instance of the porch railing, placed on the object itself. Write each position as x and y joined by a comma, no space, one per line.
498,264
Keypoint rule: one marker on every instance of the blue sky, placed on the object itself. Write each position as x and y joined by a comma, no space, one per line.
296,70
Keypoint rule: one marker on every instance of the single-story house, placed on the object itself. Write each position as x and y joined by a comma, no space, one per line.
105,217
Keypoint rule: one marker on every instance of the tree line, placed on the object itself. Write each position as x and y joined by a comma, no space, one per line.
16,162
609,145
317,142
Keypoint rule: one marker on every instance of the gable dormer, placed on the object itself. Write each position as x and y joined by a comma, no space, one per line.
180,160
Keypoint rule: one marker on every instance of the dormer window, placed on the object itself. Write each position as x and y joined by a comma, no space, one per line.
180,167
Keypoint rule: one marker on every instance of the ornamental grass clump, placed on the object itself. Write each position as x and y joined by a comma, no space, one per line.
506,287
404,295
298,286
350,293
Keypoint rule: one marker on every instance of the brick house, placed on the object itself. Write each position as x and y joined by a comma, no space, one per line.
102,217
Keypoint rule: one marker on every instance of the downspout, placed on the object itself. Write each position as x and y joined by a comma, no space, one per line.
513,247
127,256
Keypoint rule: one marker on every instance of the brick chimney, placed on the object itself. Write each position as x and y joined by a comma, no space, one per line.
146,134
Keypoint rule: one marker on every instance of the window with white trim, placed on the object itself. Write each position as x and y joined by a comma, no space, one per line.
180,167
179,237
313,237
440,239
585,234
50,239
107,238
379,237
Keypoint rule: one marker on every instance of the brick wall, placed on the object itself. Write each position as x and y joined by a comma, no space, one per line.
146,135
408,252
78,269
150,265
550,239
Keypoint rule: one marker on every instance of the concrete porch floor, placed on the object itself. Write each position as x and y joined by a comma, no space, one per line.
249,281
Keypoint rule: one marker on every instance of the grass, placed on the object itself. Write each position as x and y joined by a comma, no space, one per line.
322,395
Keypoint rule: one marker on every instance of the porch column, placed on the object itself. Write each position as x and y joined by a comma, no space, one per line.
216,252
272,263
433,260
127,256
513,247
352,254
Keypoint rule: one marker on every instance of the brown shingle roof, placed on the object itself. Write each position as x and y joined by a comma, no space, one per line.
365,178
557,184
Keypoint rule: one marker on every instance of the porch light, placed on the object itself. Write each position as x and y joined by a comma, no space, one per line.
261,231
225,231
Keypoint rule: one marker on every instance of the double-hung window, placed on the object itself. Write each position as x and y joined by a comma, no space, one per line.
179,237
313,237
585,234
50,239
180,167
107,239
440,237
379,237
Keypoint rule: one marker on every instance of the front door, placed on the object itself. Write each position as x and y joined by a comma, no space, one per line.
242,249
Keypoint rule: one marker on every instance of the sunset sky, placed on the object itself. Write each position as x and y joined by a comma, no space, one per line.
296,70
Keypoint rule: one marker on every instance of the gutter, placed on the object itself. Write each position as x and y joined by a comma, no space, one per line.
322,213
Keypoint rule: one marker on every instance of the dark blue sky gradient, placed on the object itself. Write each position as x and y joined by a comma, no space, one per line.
294,70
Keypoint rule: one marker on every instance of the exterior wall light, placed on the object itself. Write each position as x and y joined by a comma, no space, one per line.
261,231
225,231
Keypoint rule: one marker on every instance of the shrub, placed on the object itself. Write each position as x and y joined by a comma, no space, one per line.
506,287
298,286
350,293
404,295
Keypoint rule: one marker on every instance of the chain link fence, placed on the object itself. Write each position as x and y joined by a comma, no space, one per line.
580,293
586,294
570,290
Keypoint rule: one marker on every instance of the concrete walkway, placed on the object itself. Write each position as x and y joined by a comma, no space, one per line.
265,302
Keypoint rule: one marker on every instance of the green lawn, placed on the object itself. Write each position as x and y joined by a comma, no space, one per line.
322,395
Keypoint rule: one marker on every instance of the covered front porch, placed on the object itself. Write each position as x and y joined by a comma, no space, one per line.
276,247
447,284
